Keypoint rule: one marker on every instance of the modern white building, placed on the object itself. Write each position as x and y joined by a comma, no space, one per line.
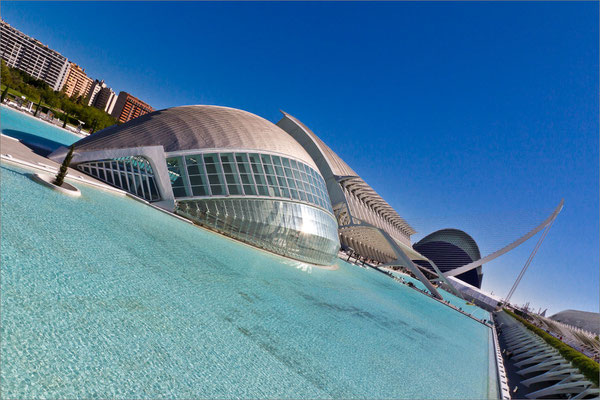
226,169
21,51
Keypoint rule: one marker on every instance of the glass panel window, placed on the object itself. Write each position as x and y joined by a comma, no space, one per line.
257,168
197,180
246,179
194,165
269,169
254,158
262,190
249,190
211,168
227,168
227,157
199,191
230,178
214,179
109,177
266,159
260,179
210,158
271,180
234,189
250,174
217,190
179,192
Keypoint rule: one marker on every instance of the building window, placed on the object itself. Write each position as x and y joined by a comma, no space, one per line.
246,174
132,174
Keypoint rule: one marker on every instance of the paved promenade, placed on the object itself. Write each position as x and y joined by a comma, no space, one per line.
15,152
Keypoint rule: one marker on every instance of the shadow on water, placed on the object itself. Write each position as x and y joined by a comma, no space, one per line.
9,169
38,145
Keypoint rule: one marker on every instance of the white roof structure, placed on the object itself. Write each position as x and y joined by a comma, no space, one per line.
197,127
367,223
542,364
369,204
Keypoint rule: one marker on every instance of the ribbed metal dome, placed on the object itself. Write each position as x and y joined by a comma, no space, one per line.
456,237
198,127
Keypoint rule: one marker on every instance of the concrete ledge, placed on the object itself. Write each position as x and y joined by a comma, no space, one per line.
48,180
71,175
501,371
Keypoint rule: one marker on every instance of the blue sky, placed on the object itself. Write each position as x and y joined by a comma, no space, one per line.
478,116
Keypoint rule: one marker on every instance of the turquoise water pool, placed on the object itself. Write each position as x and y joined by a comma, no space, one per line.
105,297
34,132
474,310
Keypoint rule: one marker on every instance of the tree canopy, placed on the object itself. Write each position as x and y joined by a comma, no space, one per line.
35,90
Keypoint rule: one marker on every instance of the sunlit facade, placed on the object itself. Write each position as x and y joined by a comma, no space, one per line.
225,169
361,213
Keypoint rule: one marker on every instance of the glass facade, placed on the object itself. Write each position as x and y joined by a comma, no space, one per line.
271,202
246,174
295,230
132,174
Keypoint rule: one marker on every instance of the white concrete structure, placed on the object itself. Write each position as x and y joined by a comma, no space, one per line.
226,169
541,363
545,224
366,222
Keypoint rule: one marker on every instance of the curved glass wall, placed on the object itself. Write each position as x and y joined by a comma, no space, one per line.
291,229
246,174
132,174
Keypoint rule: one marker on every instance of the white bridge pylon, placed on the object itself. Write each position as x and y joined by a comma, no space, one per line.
547,222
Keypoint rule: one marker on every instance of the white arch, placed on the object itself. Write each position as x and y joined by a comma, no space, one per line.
505,249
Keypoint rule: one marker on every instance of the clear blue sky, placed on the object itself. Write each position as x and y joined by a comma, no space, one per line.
479,116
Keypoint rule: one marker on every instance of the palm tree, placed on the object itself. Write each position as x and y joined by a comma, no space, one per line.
64,168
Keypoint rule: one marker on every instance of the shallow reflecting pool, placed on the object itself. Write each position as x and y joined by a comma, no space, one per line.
103,296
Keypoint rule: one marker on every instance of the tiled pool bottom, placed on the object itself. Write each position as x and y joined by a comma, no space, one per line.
104,297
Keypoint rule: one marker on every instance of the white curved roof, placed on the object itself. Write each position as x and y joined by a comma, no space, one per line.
345,176
337,165
198,127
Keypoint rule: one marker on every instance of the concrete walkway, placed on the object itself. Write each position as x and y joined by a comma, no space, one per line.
15,152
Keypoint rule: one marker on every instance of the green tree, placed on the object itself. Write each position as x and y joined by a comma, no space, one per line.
37,109
60,104
4,92
64,168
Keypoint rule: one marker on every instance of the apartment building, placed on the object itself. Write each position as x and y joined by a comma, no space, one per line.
21,51
77,82
129,107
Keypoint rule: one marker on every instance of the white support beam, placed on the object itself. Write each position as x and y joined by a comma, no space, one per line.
505,249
